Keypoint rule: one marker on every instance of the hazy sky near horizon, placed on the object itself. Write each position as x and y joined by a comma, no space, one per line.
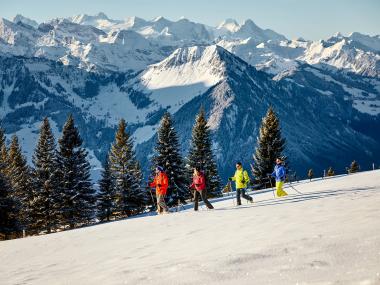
310,19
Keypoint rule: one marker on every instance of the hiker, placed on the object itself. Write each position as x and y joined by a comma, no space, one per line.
242,179
161,182
280,174
199,185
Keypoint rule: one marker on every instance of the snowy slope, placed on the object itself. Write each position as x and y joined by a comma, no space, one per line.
328,235
186,73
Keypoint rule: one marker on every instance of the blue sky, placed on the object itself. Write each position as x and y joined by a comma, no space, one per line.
311,19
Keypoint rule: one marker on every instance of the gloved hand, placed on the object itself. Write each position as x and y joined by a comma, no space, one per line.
229,178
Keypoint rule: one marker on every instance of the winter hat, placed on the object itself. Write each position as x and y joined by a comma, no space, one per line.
159,168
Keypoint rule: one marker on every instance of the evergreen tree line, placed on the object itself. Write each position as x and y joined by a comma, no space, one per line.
57,193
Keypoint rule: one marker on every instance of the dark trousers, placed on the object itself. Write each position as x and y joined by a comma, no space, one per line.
242,192
204,198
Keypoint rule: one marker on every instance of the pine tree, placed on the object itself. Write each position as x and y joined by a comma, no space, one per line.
43,210
310,174
106,194
330,171
77,199
167,155
354,167
9,224
200,155
270,145
19,175
129,197
3,153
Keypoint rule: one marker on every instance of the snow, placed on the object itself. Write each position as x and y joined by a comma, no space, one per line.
181,76
229,25
109,47
363,102
144,133
371,107
328,235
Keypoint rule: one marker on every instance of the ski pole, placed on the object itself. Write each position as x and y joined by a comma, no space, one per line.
295,189
151,196
271,185
232,194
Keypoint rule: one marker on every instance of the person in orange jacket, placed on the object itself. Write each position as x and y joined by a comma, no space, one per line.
161,182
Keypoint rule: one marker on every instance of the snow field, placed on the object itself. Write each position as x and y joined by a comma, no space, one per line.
328,235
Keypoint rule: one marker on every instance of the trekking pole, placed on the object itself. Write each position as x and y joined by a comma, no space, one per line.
271,185
151,196
232,194
291,186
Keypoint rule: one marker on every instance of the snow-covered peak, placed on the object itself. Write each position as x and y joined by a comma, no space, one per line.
129,39
229,25
357,53
134,22
83,18
100,21
19,18
250,30
250,26
370,42
203,55
18,33
160,19
185,73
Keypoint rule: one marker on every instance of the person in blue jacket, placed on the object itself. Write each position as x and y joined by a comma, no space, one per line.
280,174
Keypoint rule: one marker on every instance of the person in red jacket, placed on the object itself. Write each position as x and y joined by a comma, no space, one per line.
161,182
199,184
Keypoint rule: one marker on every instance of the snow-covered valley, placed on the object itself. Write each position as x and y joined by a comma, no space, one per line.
329,234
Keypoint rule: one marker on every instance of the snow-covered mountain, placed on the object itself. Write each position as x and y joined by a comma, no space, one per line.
79,45
356,53
102,75
88,42
24,20
310,101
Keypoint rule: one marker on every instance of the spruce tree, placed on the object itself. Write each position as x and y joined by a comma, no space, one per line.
9,224
129,196
77,199
19,175
330,171
3,153
167,154
354,167
200,155
106,194
44,213
270,145
310,174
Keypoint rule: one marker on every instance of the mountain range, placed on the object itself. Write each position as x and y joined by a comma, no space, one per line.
326,93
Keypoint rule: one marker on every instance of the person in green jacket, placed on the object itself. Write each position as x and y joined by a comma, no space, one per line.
241,179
